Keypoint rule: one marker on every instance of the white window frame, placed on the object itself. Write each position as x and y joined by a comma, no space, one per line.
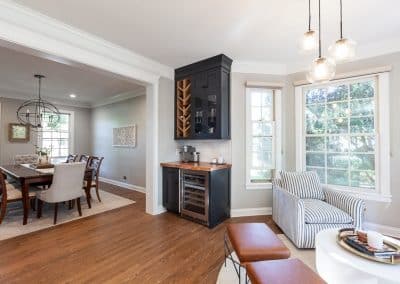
381,192
276,134
71,130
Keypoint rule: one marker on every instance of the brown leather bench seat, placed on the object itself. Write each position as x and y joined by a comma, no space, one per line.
283,271
255,242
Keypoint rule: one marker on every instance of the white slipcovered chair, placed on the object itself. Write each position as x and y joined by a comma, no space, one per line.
26,159
302,207
66,186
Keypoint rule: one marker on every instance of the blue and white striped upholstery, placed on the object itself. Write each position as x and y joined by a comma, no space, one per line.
289,212
303,184
320,212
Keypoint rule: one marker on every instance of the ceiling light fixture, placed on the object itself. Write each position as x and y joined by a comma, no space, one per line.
309,41
73,96
33,112
322,69
343,49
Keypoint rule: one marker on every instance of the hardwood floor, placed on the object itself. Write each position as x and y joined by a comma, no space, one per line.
124,245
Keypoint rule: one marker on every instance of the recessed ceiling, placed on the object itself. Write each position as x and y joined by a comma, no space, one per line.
91,88
177,32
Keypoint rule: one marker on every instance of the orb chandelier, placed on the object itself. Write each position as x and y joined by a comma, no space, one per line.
343,49
35,112
309,41
322,69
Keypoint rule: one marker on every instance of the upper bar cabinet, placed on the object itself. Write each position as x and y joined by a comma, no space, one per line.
202,99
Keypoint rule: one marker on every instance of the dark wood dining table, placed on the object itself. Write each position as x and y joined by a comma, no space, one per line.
29,177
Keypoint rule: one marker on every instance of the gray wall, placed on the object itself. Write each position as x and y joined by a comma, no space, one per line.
82,135
119,162
377,212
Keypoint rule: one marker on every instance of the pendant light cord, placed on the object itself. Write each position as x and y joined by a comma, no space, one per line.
319,28
341,20
309,15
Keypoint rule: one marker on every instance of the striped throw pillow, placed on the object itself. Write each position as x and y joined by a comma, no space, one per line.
305,185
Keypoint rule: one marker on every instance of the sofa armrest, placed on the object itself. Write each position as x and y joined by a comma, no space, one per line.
288,212
353,206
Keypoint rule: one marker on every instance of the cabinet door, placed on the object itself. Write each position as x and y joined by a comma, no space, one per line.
206,100
171,189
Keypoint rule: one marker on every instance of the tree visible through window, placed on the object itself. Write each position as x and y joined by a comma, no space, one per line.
340,133
55,137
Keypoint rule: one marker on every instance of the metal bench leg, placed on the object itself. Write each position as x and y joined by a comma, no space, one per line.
228,254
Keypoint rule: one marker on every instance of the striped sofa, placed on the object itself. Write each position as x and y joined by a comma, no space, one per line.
302,207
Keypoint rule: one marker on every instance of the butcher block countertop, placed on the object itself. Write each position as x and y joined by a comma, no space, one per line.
201,166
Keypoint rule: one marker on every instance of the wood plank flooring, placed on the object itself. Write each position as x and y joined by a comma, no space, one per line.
124,245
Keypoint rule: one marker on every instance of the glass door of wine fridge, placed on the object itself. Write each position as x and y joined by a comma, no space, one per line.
194,195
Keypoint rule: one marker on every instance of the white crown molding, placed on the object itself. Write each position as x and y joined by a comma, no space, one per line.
26,27
119,98
242,212
258,67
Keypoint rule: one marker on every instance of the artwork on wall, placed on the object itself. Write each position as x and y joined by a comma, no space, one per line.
124,136
18,133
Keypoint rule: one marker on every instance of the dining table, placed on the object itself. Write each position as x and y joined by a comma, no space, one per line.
30,177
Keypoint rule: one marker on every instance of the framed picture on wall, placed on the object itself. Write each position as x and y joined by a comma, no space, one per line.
18,133
124,136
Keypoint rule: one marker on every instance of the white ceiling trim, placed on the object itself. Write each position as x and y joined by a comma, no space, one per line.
119,98
259,67
29,28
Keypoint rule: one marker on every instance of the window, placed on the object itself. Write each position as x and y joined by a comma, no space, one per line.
57,137
262,124
341,134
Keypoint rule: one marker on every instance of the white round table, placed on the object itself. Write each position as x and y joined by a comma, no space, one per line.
337,265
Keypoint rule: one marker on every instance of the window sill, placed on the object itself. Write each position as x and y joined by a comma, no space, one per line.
372,196
260,186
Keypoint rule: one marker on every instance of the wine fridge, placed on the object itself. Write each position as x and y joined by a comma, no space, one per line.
194,197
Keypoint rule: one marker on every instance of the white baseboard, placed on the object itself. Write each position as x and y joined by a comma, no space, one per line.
242,212
161,209
387,230
123,184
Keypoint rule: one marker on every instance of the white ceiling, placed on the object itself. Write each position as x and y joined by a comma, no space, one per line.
178,32
91,88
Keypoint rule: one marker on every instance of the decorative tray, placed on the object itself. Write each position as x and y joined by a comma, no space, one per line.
349,240
41,166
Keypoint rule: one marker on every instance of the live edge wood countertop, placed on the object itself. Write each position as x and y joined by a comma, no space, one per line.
201,166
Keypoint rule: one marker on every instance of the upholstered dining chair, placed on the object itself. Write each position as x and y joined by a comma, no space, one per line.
85,159
94,164
66,186
8,194
71,158
26,159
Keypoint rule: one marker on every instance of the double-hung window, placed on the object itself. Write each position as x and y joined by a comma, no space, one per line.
56,137
262,136
341,136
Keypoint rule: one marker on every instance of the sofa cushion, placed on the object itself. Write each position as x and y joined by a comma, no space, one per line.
303,184
319,212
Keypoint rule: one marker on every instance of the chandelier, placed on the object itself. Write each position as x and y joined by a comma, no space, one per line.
35,112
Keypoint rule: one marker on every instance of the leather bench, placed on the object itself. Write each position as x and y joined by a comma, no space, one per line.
252,242
284,271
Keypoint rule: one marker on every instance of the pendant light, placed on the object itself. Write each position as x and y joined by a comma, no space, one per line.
309,41
322,69
34,112
343,49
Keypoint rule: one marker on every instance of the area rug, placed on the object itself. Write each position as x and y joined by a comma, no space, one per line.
12,222
227,274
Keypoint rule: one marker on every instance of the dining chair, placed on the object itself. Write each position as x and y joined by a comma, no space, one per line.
9,193
85,159
26,159
94,165
71,158
66,186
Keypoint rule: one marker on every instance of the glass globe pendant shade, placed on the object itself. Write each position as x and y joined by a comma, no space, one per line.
321,70
309,41
343,50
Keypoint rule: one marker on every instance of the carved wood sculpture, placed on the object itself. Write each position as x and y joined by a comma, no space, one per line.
183,108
